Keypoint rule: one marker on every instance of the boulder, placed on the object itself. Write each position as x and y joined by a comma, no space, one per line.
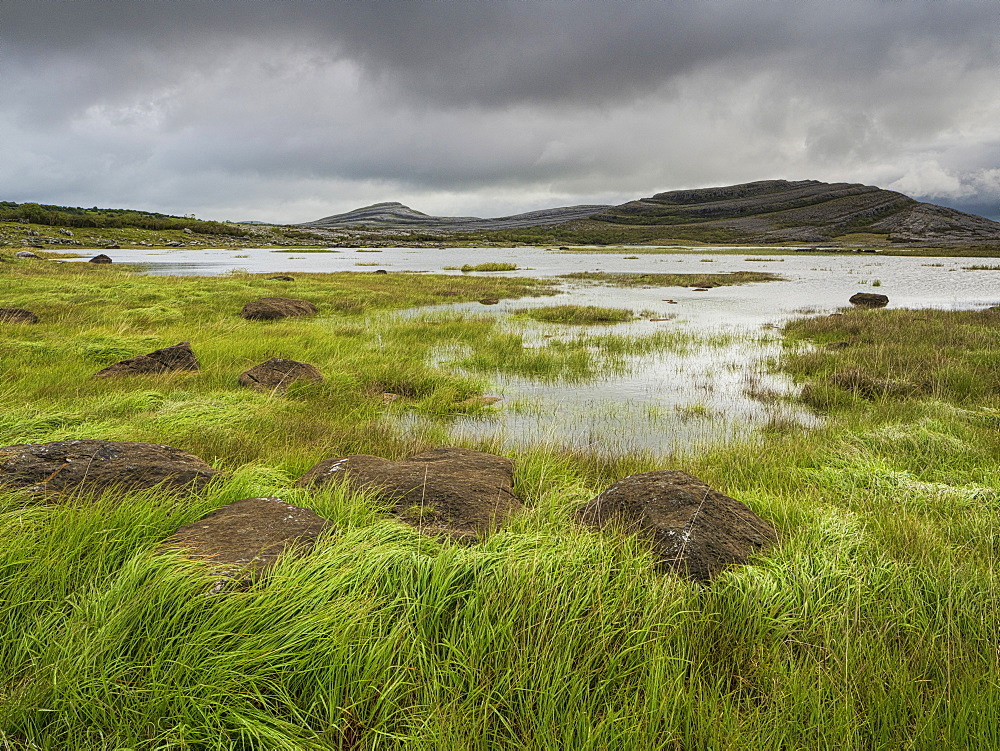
66,465
489,301
100,258
278,374
454,493
17,315
273,308
868,300
26,254
177,357
246,537
692,529
281,278
380,271
111,246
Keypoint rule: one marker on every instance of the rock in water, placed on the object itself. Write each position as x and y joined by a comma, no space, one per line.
868,300
273,308
177,357
100,258
247,536
448,492
693,529
278,374
17,315
66,465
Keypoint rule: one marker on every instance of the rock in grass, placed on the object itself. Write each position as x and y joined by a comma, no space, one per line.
278,374
63,466
453,493
26,254
868,300
101,258
282,278
17,315
693,530
246,537
273,308
178,357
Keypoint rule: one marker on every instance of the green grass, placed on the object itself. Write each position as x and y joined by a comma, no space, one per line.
871,625
672,280
576,314
492,266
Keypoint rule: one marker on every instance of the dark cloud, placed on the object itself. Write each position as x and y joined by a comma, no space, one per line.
280,108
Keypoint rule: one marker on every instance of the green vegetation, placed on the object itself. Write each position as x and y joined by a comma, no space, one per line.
871,625
577,314
672,280
981,268
493,266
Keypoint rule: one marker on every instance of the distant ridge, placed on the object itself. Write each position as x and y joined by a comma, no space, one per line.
767,211
396,216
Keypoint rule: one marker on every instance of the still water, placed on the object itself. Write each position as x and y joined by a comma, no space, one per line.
669,402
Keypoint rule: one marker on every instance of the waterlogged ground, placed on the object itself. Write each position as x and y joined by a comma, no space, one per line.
711,385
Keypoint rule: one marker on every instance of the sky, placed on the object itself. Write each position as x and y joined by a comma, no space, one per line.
290,110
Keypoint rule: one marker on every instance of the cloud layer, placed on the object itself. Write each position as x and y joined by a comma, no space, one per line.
294,110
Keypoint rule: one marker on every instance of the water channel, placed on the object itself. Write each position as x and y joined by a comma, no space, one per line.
717,390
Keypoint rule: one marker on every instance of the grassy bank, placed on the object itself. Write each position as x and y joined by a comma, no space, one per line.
871,625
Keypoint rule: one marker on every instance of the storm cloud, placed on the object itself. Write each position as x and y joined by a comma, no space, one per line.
288,111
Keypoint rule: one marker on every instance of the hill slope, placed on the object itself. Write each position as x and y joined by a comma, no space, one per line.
801,211
396,216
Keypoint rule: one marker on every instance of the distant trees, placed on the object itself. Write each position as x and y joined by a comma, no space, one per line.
65,216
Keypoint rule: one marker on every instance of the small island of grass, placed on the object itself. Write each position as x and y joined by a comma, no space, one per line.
577,314
631,279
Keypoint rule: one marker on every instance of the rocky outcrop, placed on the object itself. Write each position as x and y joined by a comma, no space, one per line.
868,300
454,493
178,357
63,466
278,374
17,315
692,529
245,538
100,258
273,308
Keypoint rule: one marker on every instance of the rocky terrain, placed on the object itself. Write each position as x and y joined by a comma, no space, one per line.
802,211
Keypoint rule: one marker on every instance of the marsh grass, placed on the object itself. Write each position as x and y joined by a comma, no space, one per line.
491,266
576,314
872,624
672,280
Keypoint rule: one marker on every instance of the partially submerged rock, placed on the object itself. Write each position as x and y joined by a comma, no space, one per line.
63,466
455,493
17,315
246,537
278,374
273,308
101,258
693,530
178,357
868,300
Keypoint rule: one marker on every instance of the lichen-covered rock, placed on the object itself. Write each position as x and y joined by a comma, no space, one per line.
246,537
692,529
868,300
63,466
454,493
273,308
278,374
17,315
178,357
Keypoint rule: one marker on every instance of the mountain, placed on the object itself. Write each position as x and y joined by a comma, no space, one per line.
396,216
802,211
768,211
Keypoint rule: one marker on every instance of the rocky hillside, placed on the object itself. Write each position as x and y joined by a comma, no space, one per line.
801,211
396,216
